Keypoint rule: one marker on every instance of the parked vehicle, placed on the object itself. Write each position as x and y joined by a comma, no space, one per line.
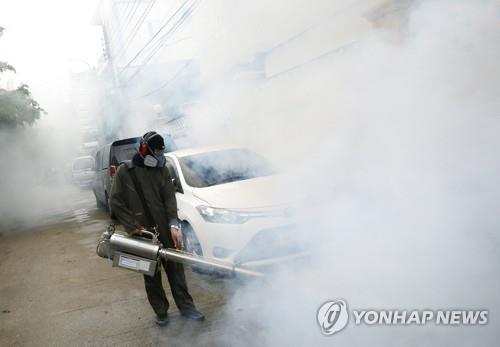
82,171
107,160
226,204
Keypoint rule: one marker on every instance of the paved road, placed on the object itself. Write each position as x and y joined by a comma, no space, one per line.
55,291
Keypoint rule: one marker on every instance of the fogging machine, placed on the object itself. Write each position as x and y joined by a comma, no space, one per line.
143,255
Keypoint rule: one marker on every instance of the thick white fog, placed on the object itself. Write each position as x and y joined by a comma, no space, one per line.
385,127
392,143
45,44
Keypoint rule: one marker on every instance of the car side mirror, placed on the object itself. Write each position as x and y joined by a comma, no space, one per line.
177,186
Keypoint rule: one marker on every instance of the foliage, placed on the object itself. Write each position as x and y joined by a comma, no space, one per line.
17,107
6,67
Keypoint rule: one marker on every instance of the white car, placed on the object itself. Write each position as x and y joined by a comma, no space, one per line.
228,208
82,171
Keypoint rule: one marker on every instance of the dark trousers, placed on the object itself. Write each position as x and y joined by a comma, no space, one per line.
178,286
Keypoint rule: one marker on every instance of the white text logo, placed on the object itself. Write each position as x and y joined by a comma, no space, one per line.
333,316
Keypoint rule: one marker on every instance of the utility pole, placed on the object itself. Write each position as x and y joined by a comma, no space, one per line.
110,59
116,110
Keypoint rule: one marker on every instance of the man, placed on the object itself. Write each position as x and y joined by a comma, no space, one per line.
148,165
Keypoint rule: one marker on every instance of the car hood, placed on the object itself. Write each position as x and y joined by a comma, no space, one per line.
247,194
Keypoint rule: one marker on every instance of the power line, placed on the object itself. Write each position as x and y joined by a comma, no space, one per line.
137,26
174,77
135,29
335,50
126,8
162,41
155,35
158,32
115,34
132,11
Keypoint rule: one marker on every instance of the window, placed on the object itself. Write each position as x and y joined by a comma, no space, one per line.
224,166
98,157
105,157
83,164
123,152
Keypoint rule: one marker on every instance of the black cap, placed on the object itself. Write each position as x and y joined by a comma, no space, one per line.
154,140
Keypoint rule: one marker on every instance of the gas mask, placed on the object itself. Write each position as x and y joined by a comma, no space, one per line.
155,161
149,141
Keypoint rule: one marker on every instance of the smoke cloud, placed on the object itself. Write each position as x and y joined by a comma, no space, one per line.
383,115
386,120
51,47
35,186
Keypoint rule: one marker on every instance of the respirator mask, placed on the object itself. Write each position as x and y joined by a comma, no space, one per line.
152,149
155,160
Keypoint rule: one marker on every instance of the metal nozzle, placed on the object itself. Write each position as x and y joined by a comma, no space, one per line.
111,243
193,259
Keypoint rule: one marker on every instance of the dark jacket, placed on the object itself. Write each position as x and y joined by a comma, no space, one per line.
159,193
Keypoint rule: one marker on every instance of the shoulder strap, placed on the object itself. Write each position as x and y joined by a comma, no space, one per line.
139,191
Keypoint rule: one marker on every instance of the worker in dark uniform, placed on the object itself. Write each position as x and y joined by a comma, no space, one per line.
148,165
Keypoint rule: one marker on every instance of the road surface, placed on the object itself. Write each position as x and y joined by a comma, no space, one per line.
55,291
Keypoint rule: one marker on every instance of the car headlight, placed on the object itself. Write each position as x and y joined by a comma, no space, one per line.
221,215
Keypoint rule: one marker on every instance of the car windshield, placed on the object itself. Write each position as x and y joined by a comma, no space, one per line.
83,164
224,166
123,151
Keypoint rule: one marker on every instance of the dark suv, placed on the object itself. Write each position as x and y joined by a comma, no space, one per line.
107,160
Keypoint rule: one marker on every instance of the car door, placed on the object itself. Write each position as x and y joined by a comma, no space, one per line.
102,173
106,183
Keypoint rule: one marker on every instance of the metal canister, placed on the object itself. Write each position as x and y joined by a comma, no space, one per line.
140,247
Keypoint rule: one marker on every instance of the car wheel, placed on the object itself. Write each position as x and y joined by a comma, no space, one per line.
106,203
98,202
190,241
192,245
